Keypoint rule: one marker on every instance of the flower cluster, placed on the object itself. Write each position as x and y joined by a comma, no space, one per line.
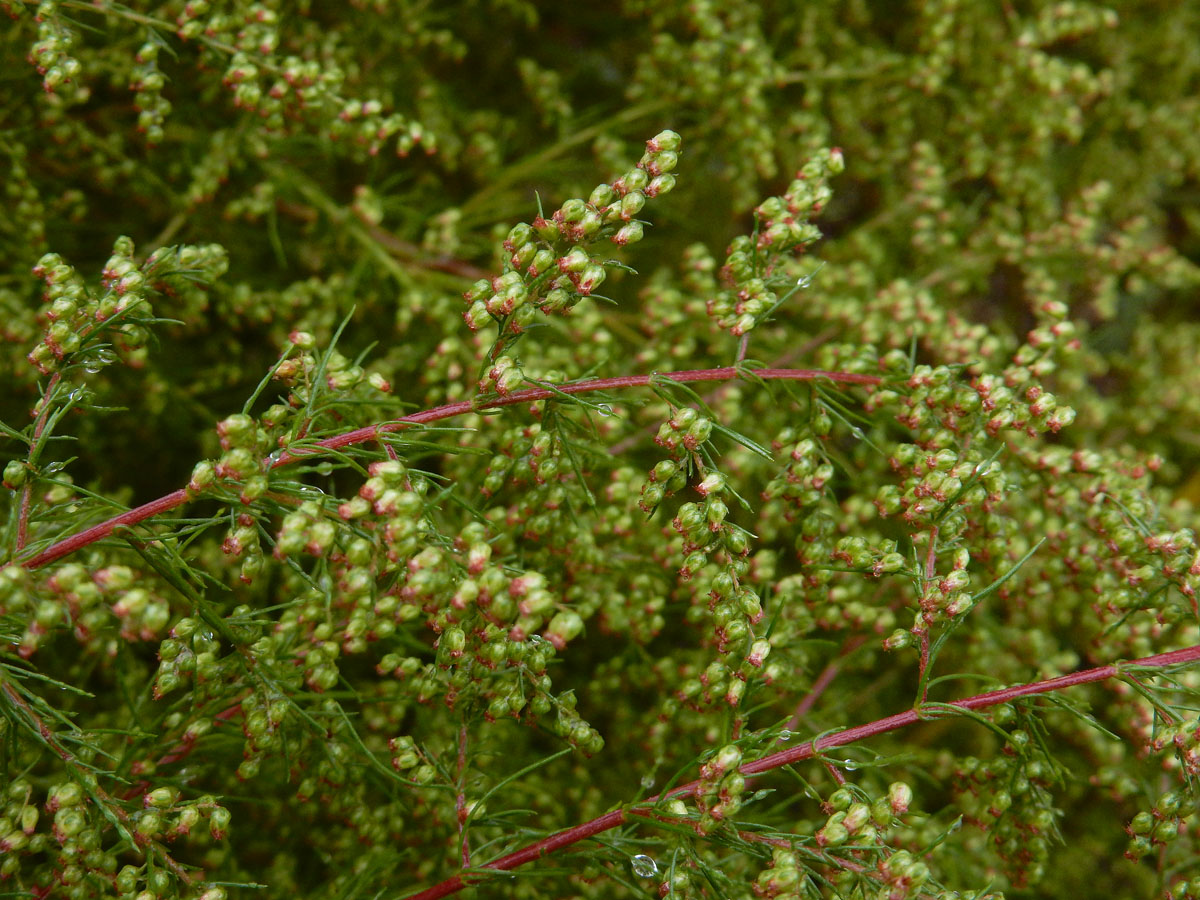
548,265
439,601
757,267
1005,798
78,323
52,55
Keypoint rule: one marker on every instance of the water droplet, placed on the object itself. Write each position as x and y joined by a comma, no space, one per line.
857,433
643,866
604,409
785,735
99,360
647,782
536,639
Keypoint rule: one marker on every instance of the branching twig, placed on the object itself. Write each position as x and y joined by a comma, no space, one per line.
805,751
111,807
435,414
460,801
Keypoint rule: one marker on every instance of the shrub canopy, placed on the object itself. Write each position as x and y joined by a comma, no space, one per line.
712,450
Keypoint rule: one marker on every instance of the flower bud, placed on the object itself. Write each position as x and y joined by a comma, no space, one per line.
832,835
14,474
759,651
565,626
899,797
603,195
664,140
160,798
574,262
631,204
629,233
663,184
590,279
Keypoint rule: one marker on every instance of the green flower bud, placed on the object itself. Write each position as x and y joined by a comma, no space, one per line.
664,140
520,235
832,835
424,774
629,233
69,821
65,795
633,181
127,879
565,626
899,797
602,195
149,825
14,474
160,798
631,204
574,262
663,184
12,841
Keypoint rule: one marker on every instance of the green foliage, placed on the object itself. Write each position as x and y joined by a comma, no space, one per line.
802,507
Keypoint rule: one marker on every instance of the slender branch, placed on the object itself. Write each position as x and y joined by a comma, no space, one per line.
930,572
804,751
828,674
101,796
460,801
39,428
435,414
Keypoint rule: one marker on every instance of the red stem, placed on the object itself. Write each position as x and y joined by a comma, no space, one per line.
801,752
101,796
823,681
460,802
437,413
930,572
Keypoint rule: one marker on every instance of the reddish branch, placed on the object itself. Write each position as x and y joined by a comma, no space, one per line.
102,798
437,413
610,820
930,573
460,801
805,751
828,674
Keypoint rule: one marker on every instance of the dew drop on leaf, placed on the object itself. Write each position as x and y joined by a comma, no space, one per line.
643,866
99,360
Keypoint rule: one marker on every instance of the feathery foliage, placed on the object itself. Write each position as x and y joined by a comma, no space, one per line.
693,449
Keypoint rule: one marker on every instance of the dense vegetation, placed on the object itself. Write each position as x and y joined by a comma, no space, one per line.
682,449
